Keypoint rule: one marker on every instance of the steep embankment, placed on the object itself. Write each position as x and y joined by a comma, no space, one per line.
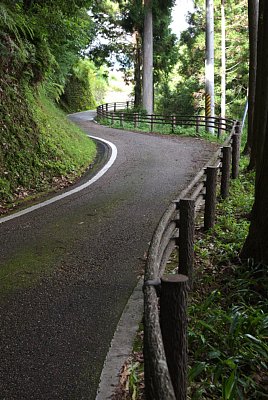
39,147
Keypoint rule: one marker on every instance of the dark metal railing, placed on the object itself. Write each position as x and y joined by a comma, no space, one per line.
124,112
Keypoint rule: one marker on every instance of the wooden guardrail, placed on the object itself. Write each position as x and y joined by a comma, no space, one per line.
165,321
124,112
165,295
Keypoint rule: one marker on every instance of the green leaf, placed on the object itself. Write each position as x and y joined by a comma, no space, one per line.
196,370
228,386
207,326
214,354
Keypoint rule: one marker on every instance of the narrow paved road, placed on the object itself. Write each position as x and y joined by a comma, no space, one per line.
68,269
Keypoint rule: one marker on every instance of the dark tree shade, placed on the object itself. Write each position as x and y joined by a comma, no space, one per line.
256,245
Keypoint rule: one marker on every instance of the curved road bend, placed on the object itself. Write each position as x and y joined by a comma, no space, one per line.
68,269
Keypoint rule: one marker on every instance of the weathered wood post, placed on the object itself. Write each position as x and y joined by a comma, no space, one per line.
114,107
127,105
135,115
186,238
121,119
225,171
106,107
219,127
236,151
197,124
210,197
152,122
173,321
173,122
158,384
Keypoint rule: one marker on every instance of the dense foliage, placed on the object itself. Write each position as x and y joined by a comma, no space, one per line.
40,41
120,24
183,91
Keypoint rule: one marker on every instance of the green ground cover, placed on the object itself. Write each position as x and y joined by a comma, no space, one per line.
39,145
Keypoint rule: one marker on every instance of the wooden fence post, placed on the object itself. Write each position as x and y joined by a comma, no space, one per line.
158,384
173,321
152,122
173,119
197,124
135,120
219,127
106,107
121,119
210,197
186,238
114,107
235,154
225,171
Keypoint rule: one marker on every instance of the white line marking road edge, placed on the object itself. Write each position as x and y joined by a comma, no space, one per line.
72,191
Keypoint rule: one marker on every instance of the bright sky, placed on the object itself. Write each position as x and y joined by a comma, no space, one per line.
179,14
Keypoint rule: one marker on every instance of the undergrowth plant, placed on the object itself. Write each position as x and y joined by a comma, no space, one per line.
228,320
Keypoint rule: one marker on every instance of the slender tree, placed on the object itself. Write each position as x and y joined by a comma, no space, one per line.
256,245
223,60
253,6
209,72
147,77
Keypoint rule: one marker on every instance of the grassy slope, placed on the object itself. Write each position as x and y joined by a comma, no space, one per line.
38,146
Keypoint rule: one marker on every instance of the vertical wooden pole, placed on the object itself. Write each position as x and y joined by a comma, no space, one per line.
173,119
127,105
219,128
173,321
210,198
135,120
106,107
197,124
225,171
114,107
152,122
235,152
186,238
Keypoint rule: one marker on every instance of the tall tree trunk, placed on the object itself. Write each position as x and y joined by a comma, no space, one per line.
137,70
209,67
223,60
256,245
259,90
253,11
147,83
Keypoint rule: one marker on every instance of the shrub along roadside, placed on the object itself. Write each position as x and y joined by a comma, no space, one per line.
228,320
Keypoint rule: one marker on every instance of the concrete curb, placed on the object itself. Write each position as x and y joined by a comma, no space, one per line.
121,345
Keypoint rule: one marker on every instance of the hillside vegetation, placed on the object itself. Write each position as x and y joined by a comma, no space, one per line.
39,146
40,50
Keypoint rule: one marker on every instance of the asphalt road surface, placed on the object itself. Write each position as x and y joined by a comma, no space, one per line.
68,269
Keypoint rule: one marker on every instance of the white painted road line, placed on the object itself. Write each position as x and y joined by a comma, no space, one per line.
72,191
